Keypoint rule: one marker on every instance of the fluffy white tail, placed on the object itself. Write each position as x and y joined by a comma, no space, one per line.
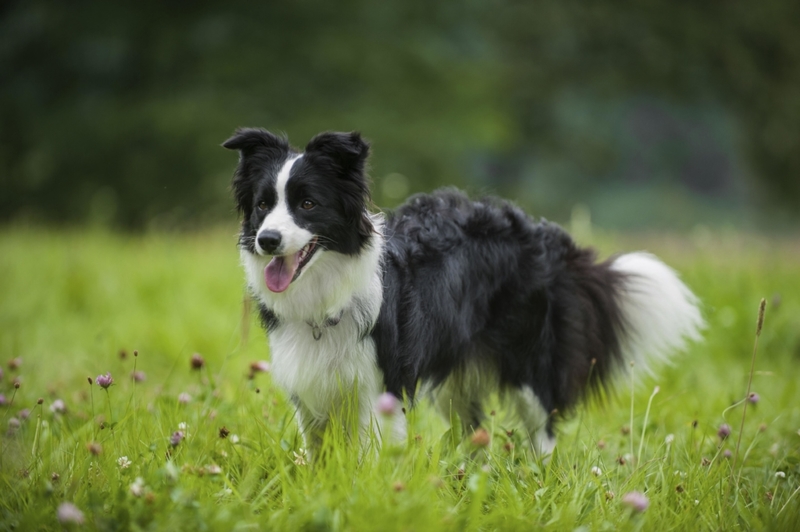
660,313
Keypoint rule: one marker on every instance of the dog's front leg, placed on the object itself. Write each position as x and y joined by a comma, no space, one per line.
312,429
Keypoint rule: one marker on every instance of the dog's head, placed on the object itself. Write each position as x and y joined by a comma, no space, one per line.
297,205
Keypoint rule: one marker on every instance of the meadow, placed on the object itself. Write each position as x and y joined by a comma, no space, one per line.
192,434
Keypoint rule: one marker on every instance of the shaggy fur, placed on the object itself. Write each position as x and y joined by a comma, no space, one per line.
464,297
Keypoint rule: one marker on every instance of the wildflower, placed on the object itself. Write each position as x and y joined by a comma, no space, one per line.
1,374
261,366
94,448
23,414
58,407
234,439
753,397
223,432
55,477
184,398
780,474
727,453
300,457
705,462
596,471
137,488
123,462
104,381
13,424
69,514
480,438
183,426
669,439
176,438
387,404
123,354
398,486
724,431
625,430
3,400
138,376
197,362
601,444
14,363
213,469
636,500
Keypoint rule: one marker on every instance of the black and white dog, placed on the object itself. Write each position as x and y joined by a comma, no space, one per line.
464,297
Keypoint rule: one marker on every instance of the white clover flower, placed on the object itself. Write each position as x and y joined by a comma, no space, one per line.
137,488
234,439
183,425
58,407
69,514
780,474
596,471
300,457
213,469
123,462
669,439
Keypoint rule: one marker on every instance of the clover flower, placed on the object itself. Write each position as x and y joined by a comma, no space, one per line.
58,407
104,381
197,361
137,488
123,462
636,500
387,404
724,431
176,438
69,514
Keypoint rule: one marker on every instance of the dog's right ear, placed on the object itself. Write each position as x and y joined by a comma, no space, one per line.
249,140
258,148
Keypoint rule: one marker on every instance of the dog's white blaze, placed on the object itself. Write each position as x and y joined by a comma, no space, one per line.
293,237
660,312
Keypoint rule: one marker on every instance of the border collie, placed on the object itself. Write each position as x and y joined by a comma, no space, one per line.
463,297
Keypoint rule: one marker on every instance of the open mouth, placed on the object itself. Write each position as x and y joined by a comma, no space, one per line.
283,269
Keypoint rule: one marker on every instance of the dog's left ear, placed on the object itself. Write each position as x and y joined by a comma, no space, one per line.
345,155
347,151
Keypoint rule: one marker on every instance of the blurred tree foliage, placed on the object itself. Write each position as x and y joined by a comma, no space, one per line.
113,112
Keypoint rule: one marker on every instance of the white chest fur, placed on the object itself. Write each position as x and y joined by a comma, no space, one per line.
321,373
320,369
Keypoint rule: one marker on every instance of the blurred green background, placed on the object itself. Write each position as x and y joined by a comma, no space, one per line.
646,114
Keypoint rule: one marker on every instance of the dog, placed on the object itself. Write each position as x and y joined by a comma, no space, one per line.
445,296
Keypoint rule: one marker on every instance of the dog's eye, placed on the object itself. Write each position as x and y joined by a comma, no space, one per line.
308,204
262,205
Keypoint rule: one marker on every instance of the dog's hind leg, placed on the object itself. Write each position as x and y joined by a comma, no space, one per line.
463,393
535,420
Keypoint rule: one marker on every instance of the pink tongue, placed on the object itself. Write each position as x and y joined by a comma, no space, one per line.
280,271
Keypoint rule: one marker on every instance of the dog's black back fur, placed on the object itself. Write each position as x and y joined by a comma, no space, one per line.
469,278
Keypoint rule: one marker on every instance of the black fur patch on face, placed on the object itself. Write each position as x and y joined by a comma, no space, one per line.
330,175
261,155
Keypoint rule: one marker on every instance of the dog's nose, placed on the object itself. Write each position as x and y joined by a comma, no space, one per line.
269,241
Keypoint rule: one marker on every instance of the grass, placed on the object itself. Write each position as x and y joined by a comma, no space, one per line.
77,304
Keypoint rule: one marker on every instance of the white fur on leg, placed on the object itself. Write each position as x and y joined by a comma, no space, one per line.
660,312
534,420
